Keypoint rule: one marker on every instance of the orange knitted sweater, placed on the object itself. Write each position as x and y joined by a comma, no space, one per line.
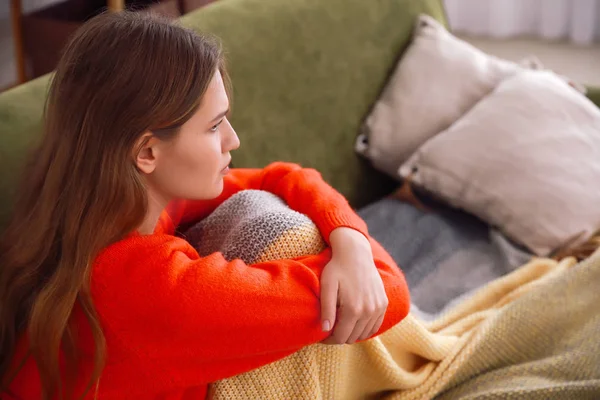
174,321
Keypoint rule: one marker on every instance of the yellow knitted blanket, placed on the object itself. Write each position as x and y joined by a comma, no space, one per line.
533,334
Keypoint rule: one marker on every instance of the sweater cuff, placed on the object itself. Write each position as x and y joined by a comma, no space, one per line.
333,220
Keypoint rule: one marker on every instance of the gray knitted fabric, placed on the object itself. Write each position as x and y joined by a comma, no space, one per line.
251,225
445,254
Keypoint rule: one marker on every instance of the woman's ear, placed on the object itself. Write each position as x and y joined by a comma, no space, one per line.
145,152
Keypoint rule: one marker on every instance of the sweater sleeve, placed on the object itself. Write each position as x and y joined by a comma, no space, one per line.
192,320
303,189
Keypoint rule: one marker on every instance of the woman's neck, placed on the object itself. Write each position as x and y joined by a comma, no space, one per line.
156,205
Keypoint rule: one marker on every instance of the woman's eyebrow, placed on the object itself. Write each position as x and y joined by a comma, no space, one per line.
220,115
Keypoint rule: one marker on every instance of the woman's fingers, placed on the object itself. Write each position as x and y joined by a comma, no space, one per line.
359,318
376,318
359,329
348,318
375,328
329,297
366,333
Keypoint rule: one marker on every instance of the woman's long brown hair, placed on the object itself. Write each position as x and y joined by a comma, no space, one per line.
121,75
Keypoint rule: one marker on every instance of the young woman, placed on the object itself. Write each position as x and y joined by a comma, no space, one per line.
99,298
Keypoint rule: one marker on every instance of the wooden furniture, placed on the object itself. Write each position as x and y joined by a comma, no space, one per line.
37,36
17,34
15,18
116,5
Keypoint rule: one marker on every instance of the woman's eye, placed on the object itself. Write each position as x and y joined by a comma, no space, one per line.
216,126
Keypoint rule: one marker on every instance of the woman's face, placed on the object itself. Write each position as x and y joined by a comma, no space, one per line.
193,164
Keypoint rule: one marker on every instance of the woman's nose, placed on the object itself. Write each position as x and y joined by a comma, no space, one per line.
231,141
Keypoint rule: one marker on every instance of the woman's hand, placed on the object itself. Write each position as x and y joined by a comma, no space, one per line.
351,287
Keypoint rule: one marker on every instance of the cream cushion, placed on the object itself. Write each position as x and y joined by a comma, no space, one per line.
525,159
437,80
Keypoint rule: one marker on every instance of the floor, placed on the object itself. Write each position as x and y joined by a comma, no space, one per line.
582,64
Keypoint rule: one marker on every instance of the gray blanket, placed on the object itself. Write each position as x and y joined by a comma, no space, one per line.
445,254
516,338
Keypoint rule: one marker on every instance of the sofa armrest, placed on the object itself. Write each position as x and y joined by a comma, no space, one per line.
593,93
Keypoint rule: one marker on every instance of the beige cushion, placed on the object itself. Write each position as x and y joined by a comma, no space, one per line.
525,159
436,81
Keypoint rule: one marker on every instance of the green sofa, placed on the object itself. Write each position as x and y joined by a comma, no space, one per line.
305,74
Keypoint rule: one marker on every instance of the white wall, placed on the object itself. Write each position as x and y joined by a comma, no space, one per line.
577,21
598,24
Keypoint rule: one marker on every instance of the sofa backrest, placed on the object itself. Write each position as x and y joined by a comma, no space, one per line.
305,74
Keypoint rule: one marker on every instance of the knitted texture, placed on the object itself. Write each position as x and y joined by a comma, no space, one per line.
255,226
174,321
503,333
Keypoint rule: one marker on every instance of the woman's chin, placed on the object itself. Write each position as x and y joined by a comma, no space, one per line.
218,188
